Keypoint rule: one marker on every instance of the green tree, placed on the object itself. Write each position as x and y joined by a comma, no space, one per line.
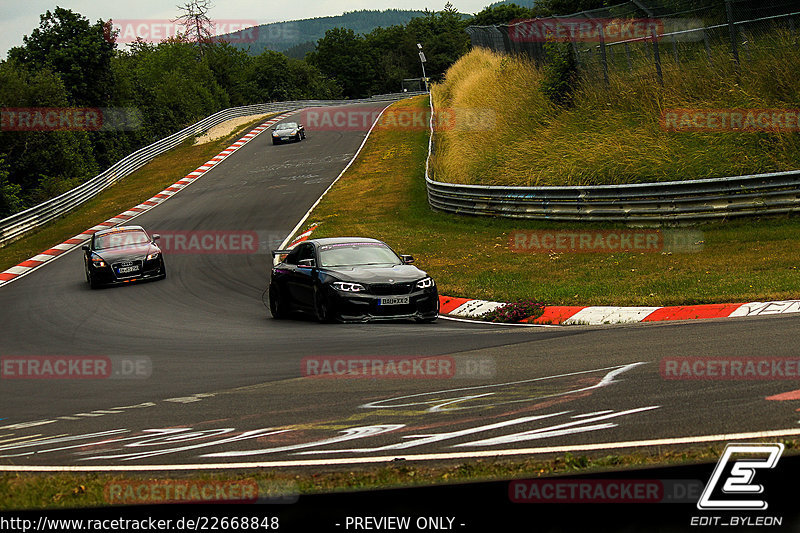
63,156
344,56
79,52
443,38
10,201
501,14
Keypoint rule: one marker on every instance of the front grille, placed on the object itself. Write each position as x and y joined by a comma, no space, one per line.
390,289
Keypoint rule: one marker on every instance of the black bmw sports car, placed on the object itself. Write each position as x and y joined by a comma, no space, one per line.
287,132
350,279
121,255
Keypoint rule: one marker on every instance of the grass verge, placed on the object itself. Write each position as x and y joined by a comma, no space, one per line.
151,179
383,195
49,491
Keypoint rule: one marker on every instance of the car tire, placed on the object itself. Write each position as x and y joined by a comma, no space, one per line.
93,284
274,142
427,320
163,272
322,306
276,307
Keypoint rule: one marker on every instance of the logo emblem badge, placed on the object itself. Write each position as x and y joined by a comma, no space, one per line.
739,482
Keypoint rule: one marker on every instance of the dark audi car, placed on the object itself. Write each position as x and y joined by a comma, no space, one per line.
351,279
121,255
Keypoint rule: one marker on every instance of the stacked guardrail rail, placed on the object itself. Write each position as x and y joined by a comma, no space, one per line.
18,224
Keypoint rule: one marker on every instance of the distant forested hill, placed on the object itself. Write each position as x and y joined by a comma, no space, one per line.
295,34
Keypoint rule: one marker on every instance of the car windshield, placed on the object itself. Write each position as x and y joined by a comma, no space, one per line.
287,126
118,239
357,254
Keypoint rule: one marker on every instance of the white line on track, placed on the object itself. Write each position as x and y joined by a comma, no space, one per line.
352,160
416,457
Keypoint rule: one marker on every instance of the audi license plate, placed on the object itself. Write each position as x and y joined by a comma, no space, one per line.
396,300
128,269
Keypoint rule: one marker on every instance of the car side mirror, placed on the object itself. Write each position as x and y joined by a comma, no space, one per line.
307,263
85,247
156,236
407,259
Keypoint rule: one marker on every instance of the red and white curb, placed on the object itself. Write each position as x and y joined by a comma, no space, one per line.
597,315
38,260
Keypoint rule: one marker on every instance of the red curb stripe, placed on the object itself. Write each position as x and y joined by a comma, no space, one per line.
161,195
30,263
556,314
785,396
688,312
4,276
73,241
148,202
107,223
448,304
53,251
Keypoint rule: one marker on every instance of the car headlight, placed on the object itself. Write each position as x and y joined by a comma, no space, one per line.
348,287
152,256
425,283
97,261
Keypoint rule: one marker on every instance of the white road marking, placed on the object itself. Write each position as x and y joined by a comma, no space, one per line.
416,457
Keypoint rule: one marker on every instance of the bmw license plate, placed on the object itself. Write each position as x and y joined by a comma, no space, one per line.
396,300
128,269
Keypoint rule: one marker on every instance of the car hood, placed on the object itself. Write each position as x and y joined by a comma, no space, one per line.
377,274
138,251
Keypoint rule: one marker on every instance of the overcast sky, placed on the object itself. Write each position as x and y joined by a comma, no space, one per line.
18,18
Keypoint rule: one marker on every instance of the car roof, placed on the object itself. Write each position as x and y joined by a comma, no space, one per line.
118,229
344,240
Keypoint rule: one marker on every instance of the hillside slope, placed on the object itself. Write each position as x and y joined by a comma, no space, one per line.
613,133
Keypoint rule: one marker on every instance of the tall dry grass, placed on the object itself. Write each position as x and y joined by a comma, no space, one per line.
612,134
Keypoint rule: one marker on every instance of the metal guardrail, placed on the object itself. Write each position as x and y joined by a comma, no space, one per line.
679,202
16,225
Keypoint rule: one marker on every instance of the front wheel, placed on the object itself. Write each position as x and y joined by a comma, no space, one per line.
322,308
